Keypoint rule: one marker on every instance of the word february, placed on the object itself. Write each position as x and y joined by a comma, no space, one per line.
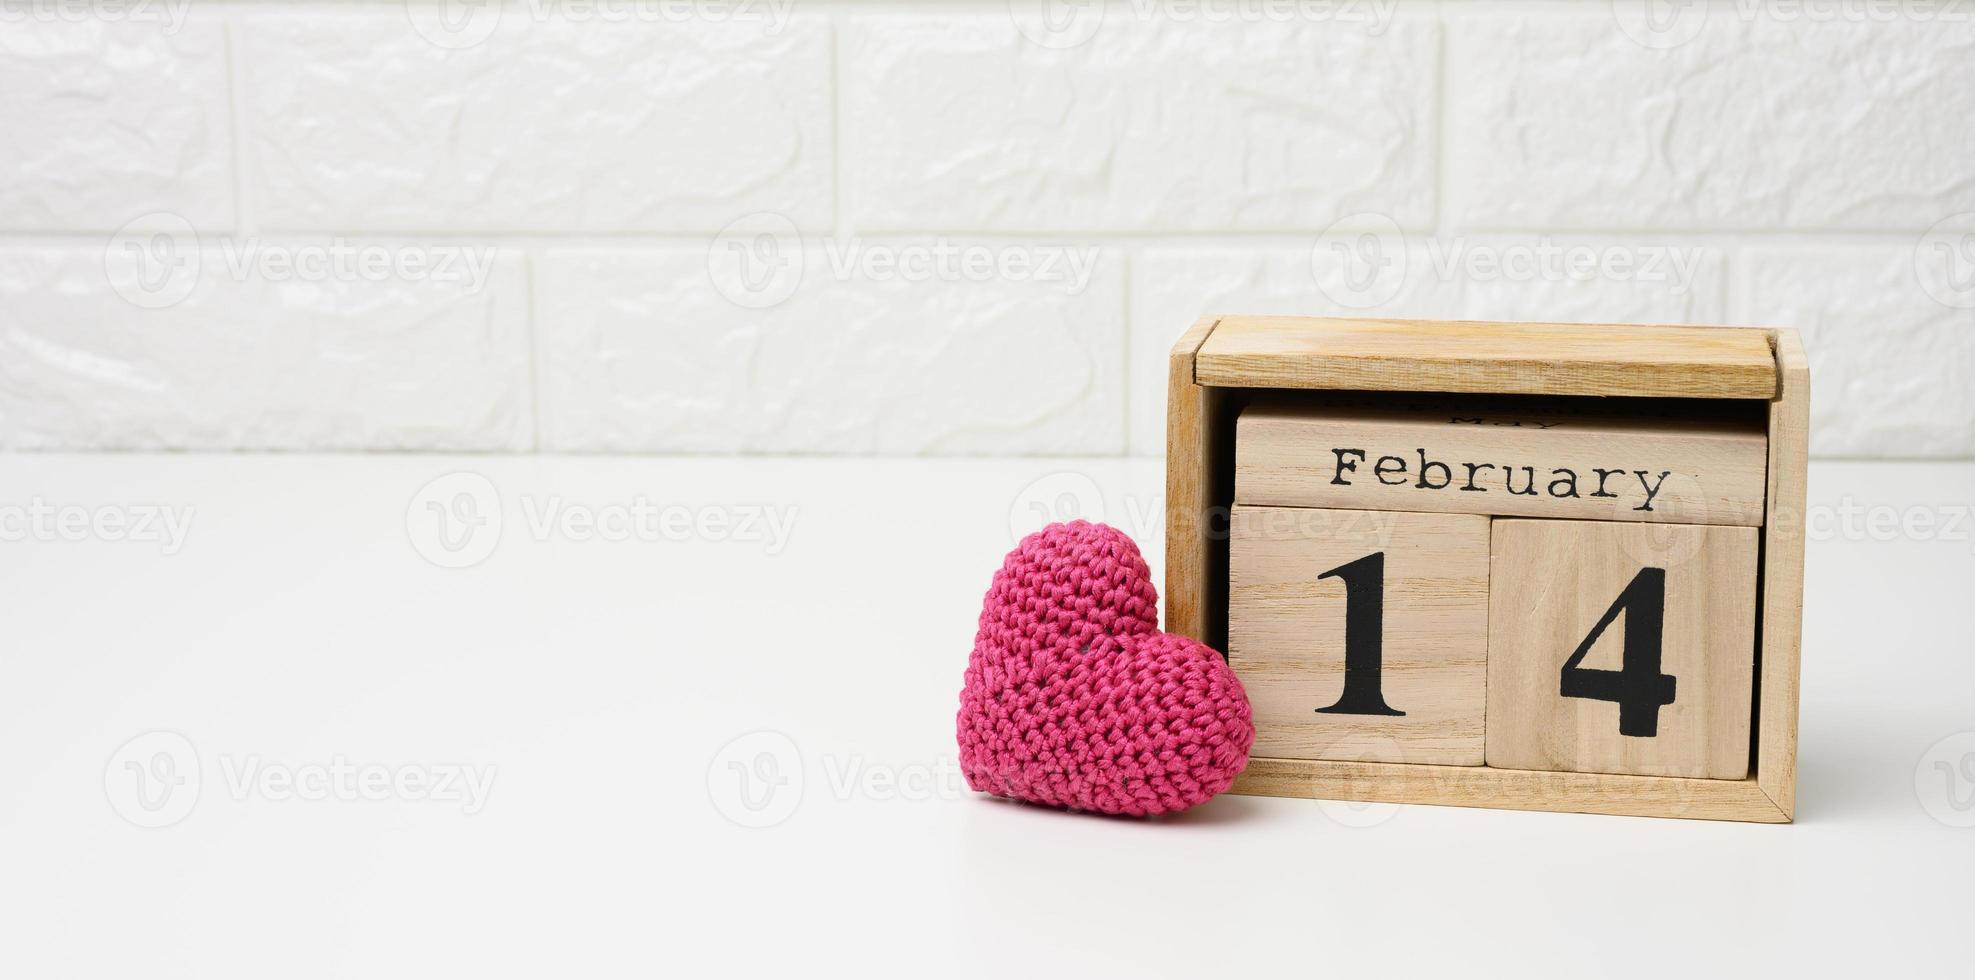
1577,467
1561,482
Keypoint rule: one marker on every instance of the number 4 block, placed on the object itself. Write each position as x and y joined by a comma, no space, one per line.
1622,648
1361,636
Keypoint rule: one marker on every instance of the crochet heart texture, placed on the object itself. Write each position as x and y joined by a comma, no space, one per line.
1074,698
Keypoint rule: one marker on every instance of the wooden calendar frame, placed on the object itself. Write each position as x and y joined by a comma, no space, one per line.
1222,360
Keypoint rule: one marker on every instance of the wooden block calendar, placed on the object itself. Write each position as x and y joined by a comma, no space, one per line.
1534,566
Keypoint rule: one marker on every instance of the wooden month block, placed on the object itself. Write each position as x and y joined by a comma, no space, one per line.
1515,457
1621,648
1361,635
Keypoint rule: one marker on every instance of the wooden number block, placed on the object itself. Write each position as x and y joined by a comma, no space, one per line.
1497,456
1621,648
1361,636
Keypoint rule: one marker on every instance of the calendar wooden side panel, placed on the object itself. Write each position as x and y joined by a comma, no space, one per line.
1511,789
1783,577
1189,487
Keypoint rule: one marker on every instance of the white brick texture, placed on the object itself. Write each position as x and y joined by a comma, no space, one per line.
248,361
964,122
1557,119
640,351
791,227
1914,395
108,121
357,122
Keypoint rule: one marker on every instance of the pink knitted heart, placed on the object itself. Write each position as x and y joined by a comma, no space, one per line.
1075,698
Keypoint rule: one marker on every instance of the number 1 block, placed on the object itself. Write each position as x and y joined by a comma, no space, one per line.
1621,648
1361,636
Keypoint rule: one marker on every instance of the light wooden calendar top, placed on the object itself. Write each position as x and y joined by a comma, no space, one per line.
1476,356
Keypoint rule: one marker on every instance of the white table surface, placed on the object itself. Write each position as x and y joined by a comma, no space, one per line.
605,684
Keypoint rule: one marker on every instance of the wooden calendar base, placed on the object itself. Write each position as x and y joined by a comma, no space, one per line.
1512,789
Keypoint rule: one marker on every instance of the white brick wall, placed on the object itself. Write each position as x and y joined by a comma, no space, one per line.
352,120
260,363
643,356
960,122
973,227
